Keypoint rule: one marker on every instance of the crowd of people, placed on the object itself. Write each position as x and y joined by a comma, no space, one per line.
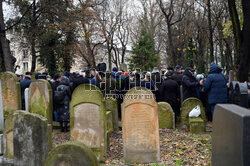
165,85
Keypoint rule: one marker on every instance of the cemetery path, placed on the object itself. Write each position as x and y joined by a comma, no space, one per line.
178,147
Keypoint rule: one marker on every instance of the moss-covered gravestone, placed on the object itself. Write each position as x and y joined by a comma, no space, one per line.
31,142
71,154
88,122
8,146
40,99
166,116
11,93
140,127
187,106
196,125
111,105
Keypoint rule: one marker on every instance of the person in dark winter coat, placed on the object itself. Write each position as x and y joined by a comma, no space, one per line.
62,101
189,83
25,83
136,81
216,86
170,92
156,77
78,81
177,76
115,74
148,83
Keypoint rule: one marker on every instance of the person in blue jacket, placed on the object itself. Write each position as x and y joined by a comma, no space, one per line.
216,86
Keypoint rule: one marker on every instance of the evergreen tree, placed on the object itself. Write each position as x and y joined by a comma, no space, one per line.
144,54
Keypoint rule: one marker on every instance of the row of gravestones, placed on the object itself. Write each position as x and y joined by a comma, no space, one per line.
91,123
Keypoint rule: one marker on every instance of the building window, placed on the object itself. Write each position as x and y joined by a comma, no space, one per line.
25,53
25,67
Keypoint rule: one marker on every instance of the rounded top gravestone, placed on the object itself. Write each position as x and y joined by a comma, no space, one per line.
41,99
140,126
188,105
166,116
71,154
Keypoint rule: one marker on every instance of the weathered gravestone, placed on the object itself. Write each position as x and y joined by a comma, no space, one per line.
166,116
8,139
140,127
40,99
11,93
187,106
31,142
111,105
71,154
88,119
241,95
231,136
26,98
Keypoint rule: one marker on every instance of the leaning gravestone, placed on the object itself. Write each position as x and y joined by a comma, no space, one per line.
166,116
231,133
88,119
140,127
40,99
11,93
8,139
30,139
187,106
71,154
111,105
26,98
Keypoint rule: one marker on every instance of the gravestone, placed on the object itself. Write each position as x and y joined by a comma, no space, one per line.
111,105
26,98
40,99
231,133
166,116
196,125
1,111
88,122
140,127
8,138
11,93
187,106
31,142
71,154
241,95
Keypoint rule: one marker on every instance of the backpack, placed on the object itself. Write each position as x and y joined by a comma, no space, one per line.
59,95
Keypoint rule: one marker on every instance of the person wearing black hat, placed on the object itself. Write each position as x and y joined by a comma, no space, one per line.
25,83
189,84
177,76
170,92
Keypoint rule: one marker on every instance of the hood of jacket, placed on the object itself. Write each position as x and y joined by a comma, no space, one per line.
64,81
215,68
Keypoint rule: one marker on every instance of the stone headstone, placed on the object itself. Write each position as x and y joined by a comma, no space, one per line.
71,154
30,139
111,105
8,138
11,93
88,119
196,125
166,116
1,110
231,133
187,106
241,95
26,97
40,99
140,127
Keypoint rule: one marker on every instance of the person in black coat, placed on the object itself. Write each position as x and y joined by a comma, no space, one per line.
25,83
170,92
189,84
136,81
62,103
78,81
177,76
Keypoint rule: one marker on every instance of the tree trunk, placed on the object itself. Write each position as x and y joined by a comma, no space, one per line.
236,29
8,60
171,46
33,37
244,59
211,43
